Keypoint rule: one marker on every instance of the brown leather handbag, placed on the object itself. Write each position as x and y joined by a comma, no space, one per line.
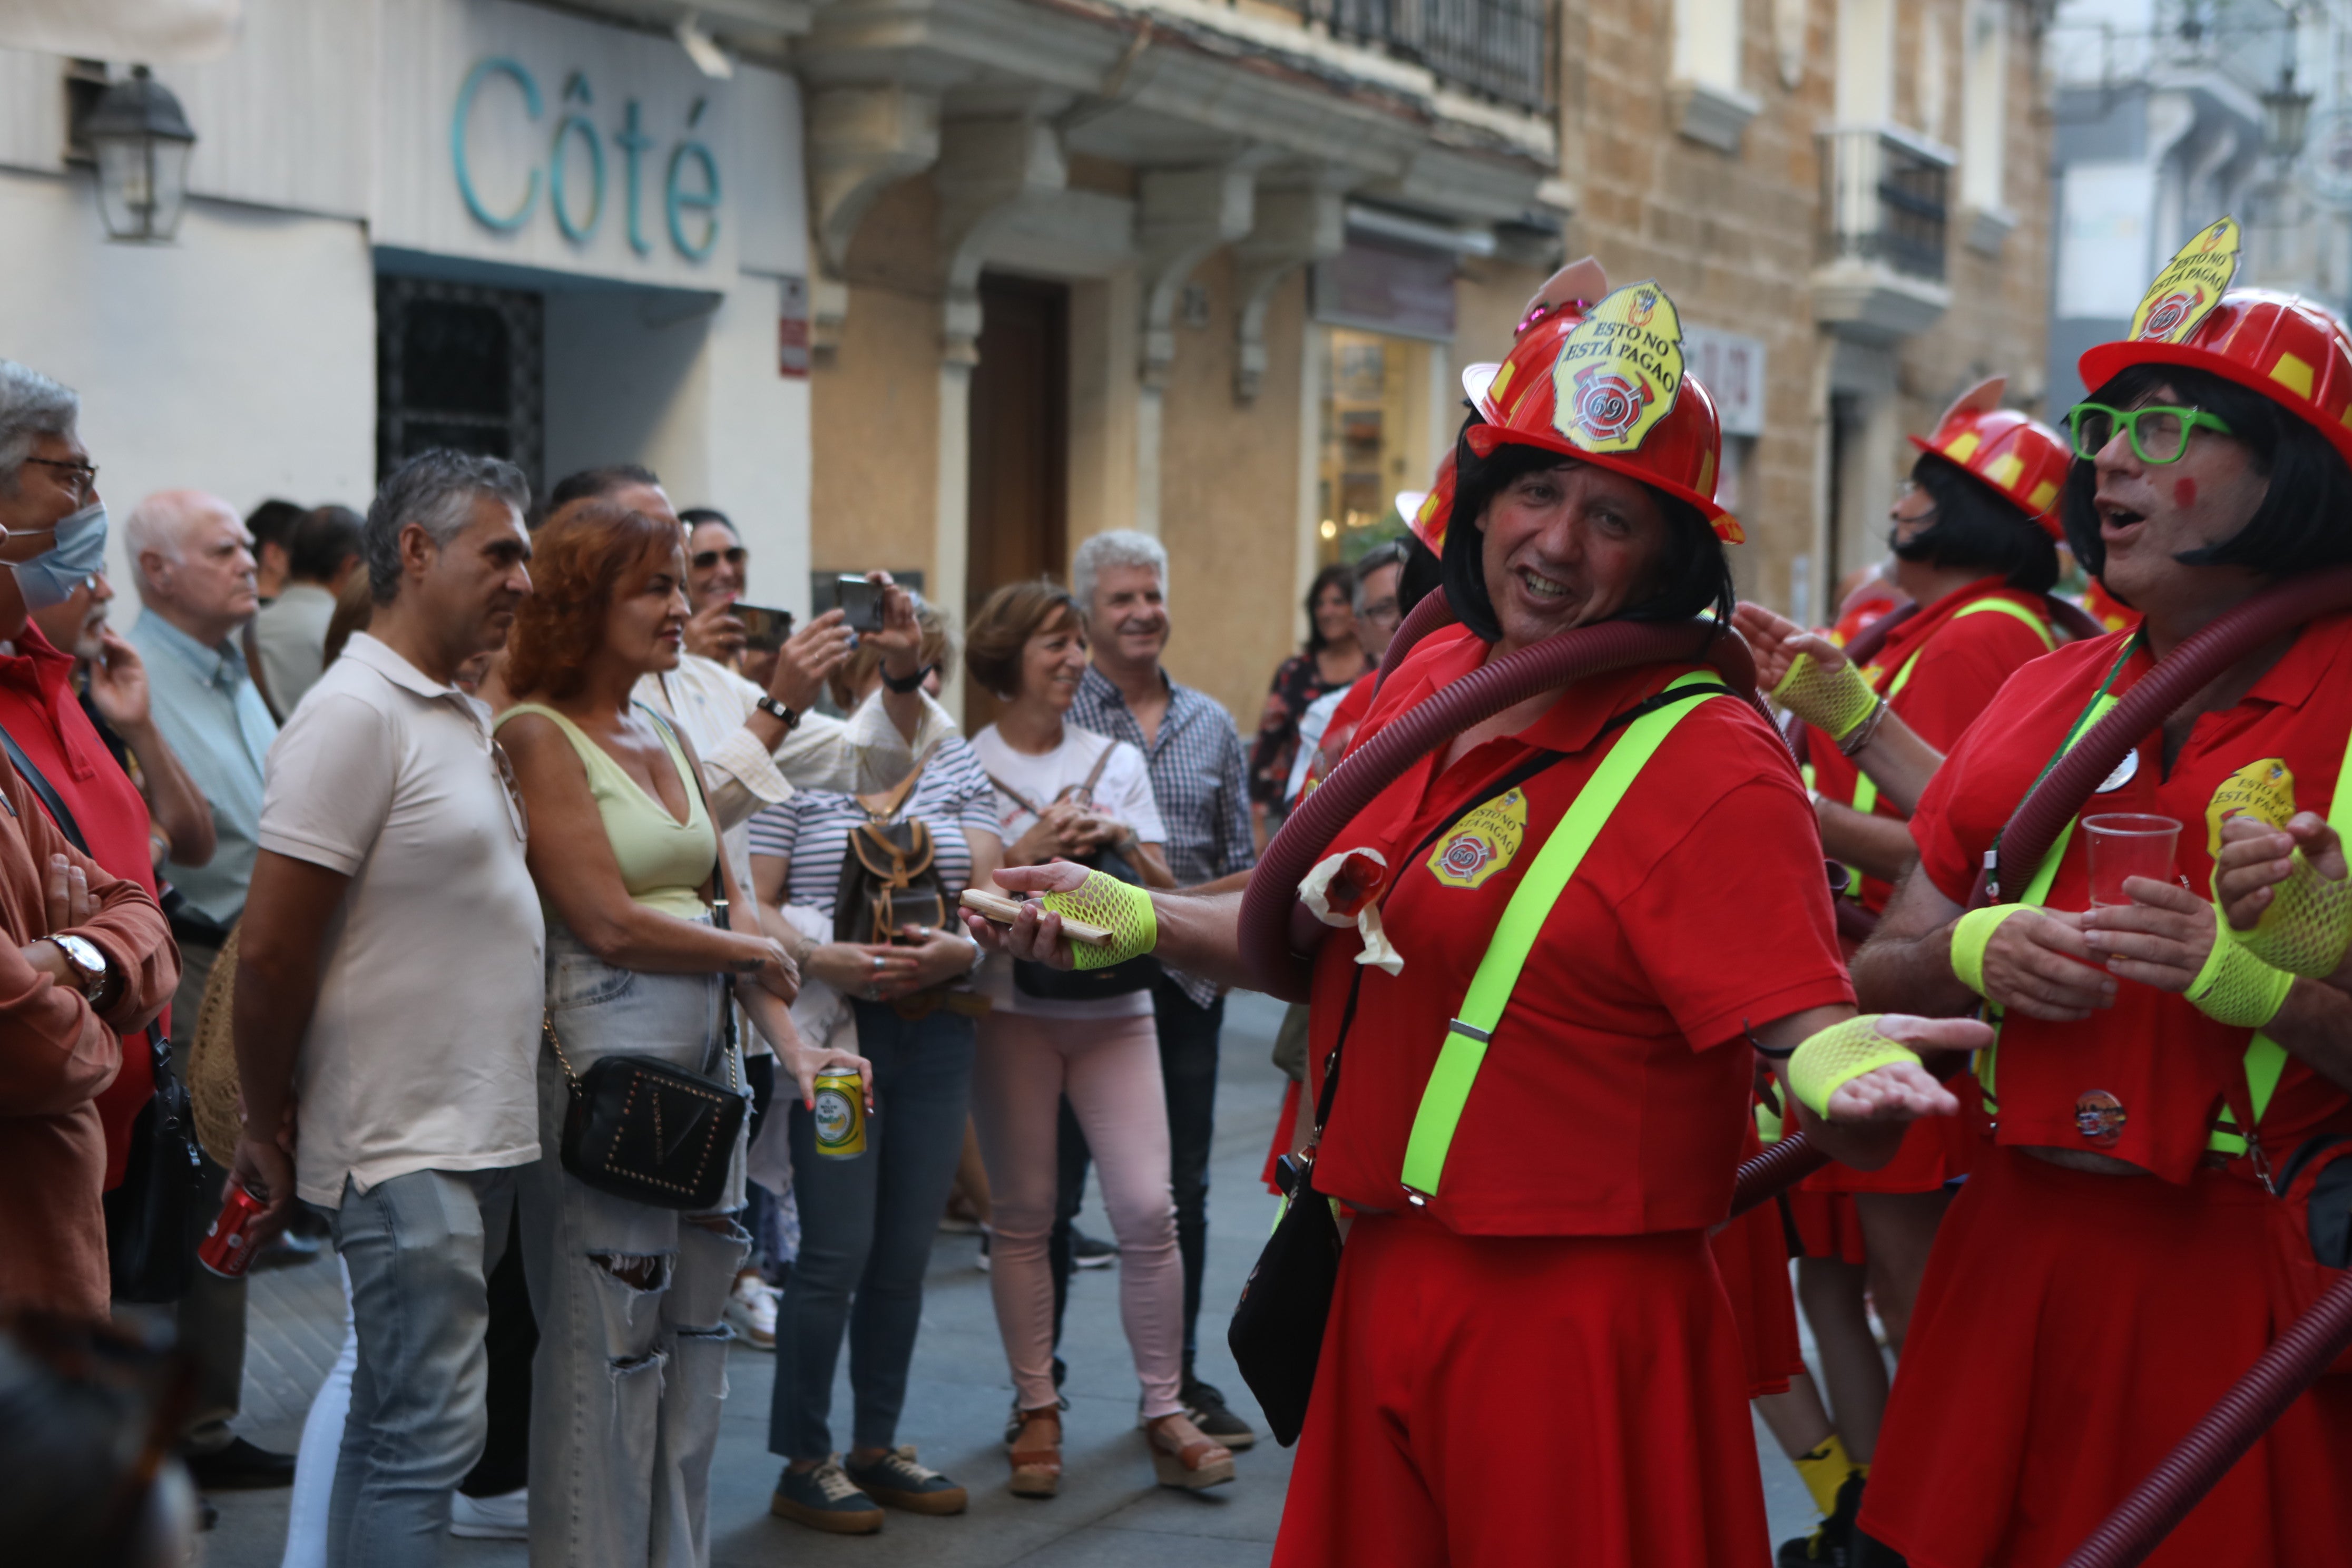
889,871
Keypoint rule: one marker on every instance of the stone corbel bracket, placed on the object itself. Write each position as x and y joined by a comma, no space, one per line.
1185,213
861,141
991,172
1293,228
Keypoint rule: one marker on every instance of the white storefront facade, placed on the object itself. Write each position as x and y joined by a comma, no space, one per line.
437,222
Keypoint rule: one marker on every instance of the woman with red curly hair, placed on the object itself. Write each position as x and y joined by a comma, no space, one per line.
632,1359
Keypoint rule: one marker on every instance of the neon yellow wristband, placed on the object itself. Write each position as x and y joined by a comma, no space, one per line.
2307,927
1833,699
1122,907
2236,987
1836,1056
1970,937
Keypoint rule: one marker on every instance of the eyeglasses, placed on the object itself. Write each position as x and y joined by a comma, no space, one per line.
704,560
2158,434
81,478
1382,611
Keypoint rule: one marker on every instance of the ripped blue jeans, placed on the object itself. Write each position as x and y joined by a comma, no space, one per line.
631,1363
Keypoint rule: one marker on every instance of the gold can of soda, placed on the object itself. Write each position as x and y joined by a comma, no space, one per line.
840,1116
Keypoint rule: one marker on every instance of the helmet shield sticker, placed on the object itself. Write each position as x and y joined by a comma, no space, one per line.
2189,288
1618,372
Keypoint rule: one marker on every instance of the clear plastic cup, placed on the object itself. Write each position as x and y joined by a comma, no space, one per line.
2129,844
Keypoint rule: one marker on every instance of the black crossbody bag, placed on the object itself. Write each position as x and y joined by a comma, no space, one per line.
151,1214
641,1129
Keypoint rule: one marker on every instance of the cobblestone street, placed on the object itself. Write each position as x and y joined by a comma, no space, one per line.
1108,1512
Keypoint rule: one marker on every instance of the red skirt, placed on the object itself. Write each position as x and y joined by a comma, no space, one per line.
1824,1224
1753,1254
1282,1129
1528,1401
2070,1329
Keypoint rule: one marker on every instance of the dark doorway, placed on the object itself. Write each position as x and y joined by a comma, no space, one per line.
458,366
1019,498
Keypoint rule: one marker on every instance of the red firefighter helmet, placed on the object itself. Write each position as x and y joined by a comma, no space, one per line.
2020,457
1629,406
2291,351
1427,512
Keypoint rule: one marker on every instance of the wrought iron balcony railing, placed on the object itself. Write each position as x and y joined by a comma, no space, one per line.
1884,195
1501,49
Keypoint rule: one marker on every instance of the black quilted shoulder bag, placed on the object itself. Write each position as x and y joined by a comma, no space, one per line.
641,1129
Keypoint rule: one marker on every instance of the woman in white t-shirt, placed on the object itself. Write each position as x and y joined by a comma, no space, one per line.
1065,793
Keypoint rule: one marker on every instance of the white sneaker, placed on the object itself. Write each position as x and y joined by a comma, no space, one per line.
751,1308
502,1518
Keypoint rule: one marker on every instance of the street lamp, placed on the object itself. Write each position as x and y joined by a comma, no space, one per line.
2286,115
142,142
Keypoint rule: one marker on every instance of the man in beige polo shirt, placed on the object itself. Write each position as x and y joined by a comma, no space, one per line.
389,988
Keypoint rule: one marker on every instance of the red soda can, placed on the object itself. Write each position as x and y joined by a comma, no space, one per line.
227,1247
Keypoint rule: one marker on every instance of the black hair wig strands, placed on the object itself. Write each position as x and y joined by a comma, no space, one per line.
1976,528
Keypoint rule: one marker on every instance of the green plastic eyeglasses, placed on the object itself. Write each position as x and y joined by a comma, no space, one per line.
2158,434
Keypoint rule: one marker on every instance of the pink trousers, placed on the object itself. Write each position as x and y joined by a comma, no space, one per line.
1109,1068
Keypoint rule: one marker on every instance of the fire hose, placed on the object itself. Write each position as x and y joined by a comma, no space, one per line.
1274,930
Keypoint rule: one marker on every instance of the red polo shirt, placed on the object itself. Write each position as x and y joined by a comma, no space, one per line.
41,712
2167,1065
1614,1093
1961,661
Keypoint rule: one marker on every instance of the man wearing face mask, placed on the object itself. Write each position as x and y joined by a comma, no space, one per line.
192,559
43,637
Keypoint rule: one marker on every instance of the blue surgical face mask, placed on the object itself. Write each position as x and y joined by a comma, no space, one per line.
77,549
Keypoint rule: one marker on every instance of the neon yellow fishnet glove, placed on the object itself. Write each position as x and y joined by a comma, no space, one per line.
1970,939
2307,927
2237,988
1831,700
1121,907
1840,1054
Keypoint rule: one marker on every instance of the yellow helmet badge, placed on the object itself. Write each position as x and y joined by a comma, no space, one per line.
2190,285
1619,370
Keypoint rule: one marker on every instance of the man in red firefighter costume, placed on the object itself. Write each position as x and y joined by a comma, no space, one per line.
2100,1281
1568,922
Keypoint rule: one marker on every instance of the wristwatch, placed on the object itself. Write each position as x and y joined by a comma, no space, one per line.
909,686
777,710
87,961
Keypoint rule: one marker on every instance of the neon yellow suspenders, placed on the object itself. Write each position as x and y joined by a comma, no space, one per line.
1448,1092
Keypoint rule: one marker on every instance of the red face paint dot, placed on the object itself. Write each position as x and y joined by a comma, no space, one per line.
2184,492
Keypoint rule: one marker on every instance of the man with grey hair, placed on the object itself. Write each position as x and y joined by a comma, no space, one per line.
1199,779
389,990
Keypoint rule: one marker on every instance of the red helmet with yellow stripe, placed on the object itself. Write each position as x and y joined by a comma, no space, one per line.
1608,387
1427,512
2021,459
2291,351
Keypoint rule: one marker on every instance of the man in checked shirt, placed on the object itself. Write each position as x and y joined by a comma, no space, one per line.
1200,778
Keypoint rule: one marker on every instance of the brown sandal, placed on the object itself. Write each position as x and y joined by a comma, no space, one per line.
1182,1457
1033,1440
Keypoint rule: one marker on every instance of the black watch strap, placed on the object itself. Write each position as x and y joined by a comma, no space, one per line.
784,715
909,686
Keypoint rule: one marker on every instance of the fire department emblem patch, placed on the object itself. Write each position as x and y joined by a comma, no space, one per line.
2190,285
1619,371
1482,843
2099,1117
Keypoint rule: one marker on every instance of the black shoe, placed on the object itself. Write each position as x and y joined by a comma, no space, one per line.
240,1468
1868,1553
1087,1252
1833,1545
291,1249
1205,1404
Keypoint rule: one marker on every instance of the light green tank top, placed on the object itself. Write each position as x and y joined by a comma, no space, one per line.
664,862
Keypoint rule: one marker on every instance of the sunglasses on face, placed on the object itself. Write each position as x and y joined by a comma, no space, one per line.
704,560
2158,434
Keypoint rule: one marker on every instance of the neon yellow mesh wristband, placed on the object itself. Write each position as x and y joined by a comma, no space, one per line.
2236,988
1838,1054
2307,927
1970,939
1831,700
1122,907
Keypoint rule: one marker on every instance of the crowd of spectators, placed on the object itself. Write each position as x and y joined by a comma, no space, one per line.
382,833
